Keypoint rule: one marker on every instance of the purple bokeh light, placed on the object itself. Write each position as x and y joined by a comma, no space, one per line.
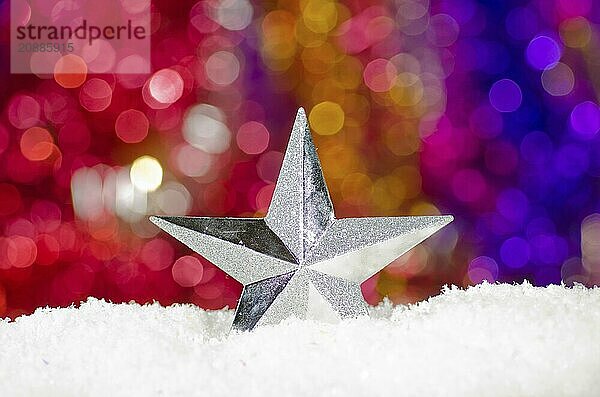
483,268
543,52
505,95
515,252
585,119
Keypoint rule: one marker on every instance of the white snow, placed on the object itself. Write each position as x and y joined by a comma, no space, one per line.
490,340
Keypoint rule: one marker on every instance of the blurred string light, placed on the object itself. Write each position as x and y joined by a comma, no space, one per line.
146,174
417,106
131,193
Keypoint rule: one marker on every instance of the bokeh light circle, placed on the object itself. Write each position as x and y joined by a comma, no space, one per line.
252,137
164,87
515,252
20,12
157,254
268,164
100,57
24,111
187,271
543,52
192,161
222,68
174,199
204,128
20,251
558,80
379,75
443,30
483,268
132,126
70,71
585,119
95,95
326,118
576,32
505,95
36,144
146,173
233,14
319,16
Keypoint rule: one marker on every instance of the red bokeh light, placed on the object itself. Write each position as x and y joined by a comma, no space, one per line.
187,271
132,126
95,95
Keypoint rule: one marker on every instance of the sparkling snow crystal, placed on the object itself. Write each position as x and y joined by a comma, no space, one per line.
490,340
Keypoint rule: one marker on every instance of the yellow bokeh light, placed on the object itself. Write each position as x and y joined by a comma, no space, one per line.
576,32
320,16
326,118
308,38
408,90
146,173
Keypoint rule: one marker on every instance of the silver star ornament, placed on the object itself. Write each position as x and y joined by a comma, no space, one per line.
300,260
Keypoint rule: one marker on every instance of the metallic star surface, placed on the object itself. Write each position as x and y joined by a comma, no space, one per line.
300,260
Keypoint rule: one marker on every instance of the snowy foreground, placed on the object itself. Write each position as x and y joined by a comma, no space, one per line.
490,340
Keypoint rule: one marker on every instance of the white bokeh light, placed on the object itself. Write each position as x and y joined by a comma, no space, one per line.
146,173
233,14
204,128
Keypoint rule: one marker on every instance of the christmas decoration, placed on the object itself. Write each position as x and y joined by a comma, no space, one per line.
300,260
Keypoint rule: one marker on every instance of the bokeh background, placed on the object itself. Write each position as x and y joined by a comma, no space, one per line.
487,110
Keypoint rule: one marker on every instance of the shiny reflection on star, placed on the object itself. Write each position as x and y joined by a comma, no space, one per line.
300,260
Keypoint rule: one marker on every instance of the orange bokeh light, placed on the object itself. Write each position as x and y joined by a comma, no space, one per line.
70,71
36,144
